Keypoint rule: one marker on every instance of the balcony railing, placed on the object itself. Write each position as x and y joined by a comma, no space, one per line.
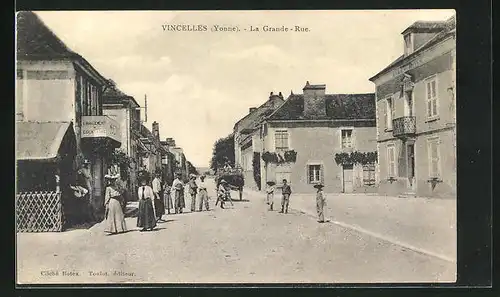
100,127
403,126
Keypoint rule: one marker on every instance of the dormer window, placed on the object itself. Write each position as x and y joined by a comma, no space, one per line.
408,43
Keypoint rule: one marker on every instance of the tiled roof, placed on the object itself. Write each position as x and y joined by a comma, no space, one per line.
426,26
40,140
338,107
35,39
253,119
448,27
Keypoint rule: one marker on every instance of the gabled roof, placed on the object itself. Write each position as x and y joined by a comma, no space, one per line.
338,107
36,41
448,28
252,120
113,94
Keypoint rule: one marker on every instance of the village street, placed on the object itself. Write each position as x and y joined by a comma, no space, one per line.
244,243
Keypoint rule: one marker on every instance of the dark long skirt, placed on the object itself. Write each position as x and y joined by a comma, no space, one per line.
146,216
159,206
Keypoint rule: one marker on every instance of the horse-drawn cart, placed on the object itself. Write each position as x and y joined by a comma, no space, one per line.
233,177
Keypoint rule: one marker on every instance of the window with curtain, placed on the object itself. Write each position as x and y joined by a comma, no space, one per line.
281,140
314,173
389,113
432,98
434,160
347,138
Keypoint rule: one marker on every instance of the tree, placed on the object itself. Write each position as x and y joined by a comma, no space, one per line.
223,152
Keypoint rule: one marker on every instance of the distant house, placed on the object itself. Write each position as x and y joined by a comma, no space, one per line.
124,109
247,138
302,137
416,95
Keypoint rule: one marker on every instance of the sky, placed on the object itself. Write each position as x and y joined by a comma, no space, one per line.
199,84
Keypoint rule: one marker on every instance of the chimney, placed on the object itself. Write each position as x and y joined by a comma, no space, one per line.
252,109
156,130
280,95
170,141
314,101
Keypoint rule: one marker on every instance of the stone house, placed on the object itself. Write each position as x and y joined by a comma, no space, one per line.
311,128
56,90
247,138
416,123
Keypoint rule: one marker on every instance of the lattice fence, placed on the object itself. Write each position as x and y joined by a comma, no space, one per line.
39,212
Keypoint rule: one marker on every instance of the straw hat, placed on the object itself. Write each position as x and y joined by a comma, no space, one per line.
223,181
112,176
271,183
319,186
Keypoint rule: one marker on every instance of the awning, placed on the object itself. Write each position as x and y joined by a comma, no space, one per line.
40,140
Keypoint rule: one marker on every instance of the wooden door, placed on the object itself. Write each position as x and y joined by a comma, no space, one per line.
347,173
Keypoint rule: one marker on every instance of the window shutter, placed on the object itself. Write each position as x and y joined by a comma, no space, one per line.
321,174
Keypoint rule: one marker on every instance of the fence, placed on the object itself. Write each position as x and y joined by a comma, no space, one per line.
39,212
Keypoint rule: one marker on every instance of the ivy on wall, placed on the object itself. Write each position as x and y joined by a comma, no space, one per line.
289,156
356,157
256,169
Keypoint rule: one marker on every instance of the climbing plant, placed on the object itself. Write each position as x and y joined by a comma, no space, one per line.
256,169
356,157
289,156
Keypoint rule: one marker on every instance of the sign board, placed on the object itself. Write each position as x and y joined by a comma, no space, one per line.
100,127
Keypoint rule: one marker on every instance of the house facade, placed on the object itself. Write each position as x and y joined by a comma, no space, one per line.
124,109
416,98
247,144
300,140
50,75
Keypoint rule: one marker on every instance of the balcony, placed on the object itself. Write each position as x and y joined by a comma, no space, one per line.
403,126
101,130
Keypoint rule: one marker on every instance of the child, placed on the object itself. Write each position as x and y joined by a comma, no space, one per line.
270,194
320,203
286,191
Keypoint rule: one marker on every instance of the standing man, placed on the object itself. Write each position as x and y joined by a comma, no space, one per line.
178,193
320,203
85,180
193,190
202,187
286,191
158,199
270,194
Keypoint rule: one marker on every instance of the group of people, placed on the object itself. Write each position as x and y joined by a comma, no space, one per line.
154,200
286,191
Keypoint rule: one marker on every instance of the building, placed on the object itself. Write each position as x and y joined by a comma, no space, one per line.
300,141
124,109
179,158
168,161
416,98
57,90
150,149
247,139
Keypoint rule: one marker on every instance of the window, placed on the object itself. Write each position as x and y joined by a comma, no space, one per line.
281,140
431,95
391,160
347,138
433,152
408,44
389,113
369,174
315,173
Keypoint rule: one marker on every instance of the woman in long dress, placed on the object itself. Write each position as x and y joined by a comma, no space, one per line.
146,218
178,193
115,219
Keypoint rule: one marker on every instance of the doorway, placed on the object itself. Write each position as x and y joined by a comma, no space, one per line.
411,164
347,178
